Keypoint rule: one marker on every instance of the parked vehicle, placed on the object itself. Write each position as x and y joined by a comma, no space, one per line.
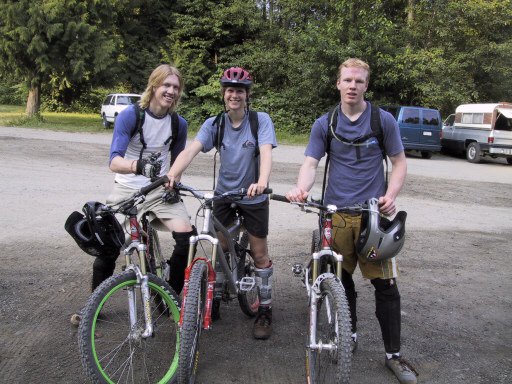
115,103
420,128
480,130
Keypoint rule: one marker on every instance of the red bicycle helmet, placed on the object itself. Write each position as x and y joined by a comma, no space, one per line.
236,76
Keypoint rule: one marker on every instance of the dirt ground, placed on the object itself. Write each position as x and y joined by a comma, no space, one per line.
455,271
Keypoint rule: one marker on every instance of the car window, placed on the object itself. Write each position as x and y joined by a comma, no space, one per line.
107,100
134,99
430,117
123,100
411,116
449,120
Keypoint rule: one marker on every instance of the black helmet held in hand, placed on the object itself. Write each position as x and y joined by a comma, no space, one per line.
380,238
96,233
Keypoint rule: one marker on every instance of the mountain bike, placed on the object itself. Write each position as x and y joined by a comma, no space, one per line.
328,346
129,330
213,275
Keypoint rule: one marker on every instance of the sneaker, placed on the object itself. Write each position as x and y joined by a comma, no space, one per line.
403,370
354,342
262,328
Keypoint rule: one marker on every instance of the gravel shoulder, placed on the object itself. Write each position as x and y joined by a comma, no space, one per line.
455,270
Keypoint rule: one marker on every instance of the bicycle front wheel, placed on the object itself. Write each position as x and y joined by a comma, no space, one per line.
193,314
332,329
110,337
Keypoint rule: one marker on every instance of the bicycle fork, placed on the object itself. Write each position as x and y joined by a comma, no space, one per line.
315,295
142,282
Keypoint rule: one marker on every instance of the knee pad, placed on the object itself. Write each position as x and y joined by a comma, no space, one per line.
182,240
386,289
102,269
264,283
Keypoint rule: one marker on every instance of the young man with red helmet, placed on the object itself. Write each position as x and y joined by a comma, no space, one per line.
240,168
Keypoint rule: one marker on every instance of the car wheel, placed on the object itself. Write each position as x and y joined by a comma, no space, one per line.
509,160
106,123
473,152
426,154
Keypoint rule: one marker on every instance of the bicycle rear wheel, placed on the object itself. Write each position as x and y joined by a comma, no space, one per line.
113,350
249,300
193,314
333,327
156,263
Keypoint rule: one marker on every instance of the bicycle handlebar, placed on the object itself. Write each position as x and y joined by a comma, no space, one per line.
329,208
242,192
155,184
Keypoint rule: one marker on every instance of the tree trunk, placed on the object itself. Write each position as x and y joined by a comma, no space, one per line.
33,102
410,12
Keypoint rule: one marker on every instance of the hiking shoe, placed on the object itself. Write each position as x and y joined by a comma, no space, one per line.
403,370
262,328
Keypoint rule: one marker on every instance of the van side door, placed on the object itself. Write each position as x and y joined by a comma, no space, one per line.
409,123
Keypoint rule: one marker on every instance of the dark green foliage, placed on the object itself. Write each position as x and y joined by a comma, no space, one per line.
421,52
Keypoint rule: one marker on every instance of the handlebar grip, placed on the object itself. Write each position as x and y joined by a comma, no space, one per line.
155,184
279,198
267,191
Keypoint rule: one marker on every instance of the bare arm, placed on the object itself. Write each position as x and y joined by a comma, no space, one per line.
124,166
183,161
396,181
264,173
305,181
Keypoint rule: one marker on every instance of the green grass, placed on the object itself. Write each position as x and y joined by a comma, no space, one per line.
14,116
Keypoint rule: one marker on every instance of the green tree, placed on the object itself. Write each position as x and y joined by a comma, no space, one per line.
51,41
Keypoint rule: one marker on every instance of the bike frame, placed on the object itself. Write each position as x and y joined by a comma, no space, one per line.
211,225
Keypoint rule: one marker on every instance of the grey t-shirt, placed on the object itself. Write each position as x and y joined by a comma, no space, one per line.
237,161
356,173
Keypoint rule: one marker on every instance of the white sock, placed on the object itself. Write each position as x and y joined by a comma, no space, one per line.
390,355
354,336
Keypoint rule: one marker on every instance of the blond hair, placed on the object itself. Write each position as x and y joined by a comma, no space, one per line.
354,63
156,79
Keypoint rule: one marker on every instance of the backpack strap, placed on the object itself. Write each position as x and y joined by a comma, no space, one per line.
140,115
376,127
175,127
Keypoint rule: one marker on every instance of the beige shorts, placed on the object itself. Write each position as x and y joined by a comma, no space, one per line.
345,230
153,205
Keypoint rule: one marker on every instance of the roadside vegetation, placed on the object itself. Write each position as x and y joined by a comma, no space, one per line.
67,56
15,116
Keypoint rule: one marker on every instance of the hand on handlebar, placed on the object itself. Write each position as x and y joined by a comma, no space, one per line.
297,195
255,190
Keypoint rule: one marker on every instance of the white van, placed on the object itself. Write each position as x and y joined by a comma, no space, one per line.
115,103
480,130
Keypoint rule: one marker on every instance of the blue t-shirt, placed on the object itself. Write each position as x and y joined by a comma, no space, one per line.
156,130
237,161
356,173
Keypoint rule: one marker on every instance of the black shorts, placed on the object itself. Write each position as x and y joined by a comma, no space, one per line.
255,215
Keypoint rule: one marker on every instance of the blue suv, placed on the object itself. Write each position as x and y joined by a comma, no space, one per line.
420,128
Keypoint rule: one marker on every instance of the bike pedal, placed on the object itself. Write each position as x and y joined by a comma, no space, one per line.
298,269
247,283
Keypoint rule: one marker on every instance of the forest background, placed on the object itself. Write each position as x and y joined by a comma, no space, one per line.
66,55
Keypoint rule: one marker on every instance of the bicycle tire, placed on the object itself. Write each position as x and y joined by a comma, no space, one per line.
111,352
249,301
315,241
331,366
156,262
193,314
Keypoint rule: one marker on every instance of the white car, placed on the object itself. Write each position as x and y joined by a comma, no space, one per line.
115,103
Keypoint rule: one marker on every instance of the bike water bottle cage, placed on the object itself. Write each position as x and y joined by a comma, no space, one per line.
380,238
96,233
